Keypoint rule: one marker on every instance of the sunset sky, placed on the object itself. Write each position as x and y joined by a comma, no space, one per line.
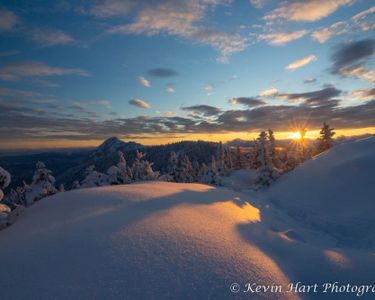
73,73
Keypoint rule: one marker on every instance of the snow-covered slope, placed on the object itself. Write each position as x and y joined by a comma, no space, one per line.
239,180
334,192
159,240
141,241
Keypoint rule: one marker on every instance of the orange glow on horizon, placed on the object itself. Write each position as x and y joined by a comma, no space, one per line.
165,138
296,135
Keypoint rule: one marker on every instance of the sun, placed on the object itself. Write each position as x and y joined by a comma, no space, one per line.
296,135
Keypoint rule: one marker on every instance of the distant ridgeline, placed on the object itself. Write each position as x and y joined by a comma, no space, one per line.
68,166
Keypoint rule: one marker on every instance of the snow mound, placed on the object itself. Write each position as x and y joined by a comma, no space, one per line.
334,192
152,240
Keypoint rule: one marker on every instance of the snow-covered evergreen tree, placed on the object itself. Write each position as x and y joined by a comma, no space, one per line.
228,158
125,172
220,159
272,145
326,138
266,173
196,169
42,184
76,185
238,162
274,154
4,209
142,169
210,175
17,197
173,171
113,175
94,178
4,181
186,170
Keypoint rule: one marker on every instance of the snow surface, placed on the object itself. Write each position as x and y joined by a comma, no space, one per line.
152,240
161,240
334,192
239,180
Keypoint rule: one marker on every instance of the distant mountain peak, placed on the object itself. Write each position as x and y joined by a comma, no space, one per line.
114,144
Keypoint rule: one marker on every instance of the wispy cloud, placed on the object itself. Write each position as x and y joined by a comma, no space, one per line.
268,92
169,89
17,70
206,110
363,95
162,72
25,96
320,97
8,20
310,80
281,38
182,19
209,89
49,37
139,103
350,59
363,21
301,62
102,102
360,72
257,3
143,81
112,8
305,10
247,101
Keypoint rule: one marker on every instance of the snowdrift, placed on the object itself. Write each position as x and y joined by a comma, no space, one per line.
334,192
142,241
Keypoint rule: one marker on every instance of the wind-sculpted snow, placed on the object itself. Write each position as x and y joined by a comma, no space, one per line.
334,193
160,240
141,241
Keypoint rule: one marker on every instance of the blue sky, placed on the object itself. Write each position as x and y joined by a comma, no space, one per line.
147,70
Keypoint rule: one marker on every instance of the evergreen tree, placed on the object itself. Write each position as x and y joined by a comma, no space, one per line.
17,197
42,184
210,175
125,172
238,163
121,173
173,172
326,138
186,170
196,169
61,188
274,154
220,159
180,168
272,145
142,169
266,173
228,158
75,185
4,181
4,209
94,178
